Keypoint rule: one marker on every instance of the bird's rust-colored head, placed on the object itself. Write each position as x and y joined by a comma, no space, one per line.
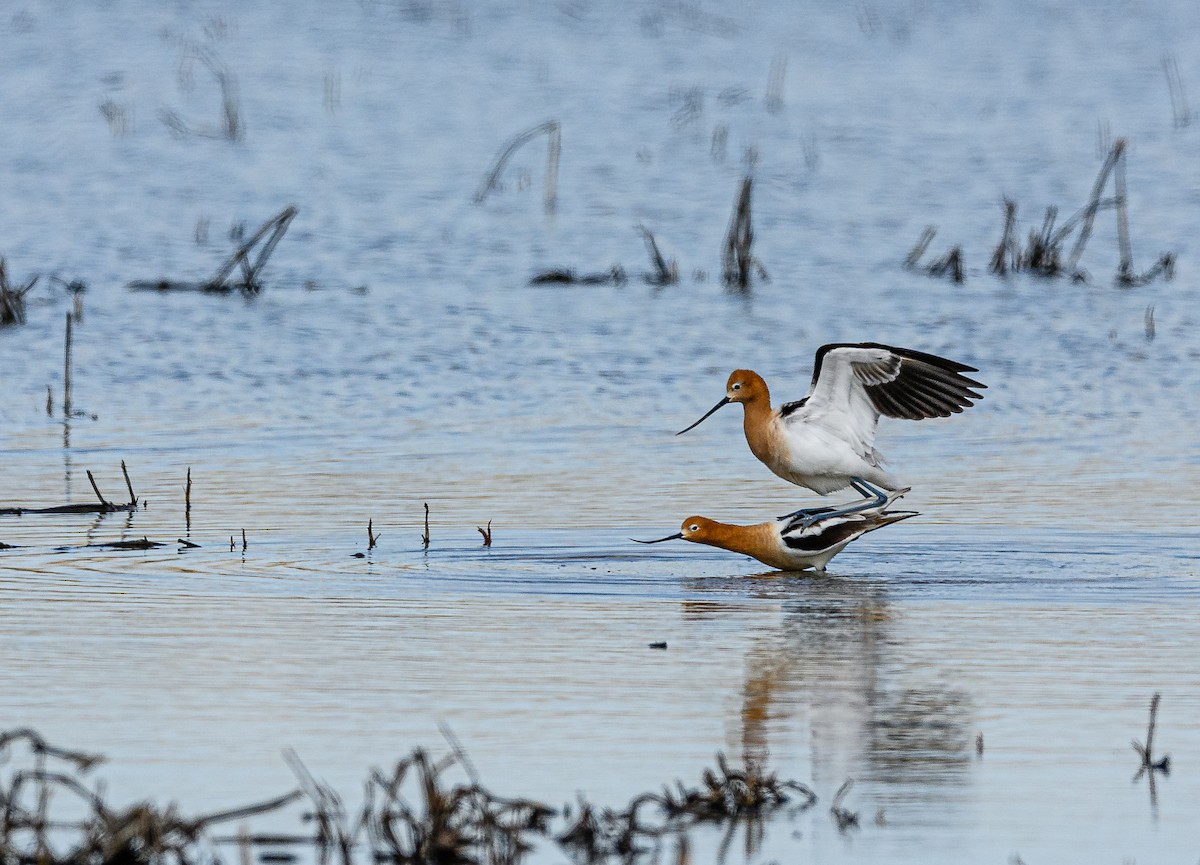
744,386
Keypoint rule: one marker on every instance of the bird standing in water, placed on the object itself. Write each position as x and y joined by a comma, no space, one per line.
826,441
792,544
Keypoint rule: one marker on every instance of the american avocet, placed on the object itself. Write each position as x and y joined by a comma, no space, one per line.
825,441
792,544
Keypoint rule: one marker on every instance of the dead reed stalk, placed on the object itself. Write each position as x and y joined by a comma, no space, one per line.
12,299
553,133
487,533
269,234
425,536
1146,752
737,260
664,273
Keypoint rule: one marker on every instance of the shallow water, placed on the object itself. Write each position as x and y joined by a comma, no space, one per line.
397,356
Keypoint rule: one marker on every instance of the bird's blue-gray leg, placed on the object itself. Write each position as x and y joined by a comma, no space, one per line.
868,491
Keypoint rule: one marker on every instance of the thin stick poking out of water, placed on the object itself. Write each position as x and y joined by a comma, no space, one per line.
425,537
67,371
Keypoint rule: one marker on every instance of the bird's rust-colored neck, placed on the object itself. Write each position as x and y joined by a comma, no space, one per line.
759,541
758,424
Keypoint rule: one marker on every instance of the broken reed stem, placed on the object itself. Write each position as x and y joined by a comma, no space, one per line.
128,484
738,239
243,540
664,273
1005,257
1089,217
425,537
487,533
278,226
1125,268
67,371
553,132
1153,723
922,244
49,401
372,538
96,489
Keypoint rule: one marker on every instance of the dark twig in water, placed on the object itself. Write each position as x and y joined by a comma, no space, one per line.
664,273
220,283
425,536
243,540
922,244
232,128
372,538
737,260
67,370
128,483
1181,112
12,300
844,818
1007,256
949,264
565,276
1146,752
487,533
553,133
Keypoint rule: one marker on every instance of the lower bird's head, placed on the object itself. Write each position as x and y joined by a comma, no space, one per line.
696,529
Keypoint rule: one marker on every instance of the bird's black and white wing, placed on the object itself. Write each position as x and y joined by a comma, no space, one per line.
854,383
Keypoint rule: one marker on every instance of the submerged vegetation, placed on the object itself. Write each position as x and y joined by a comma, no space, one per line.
414,814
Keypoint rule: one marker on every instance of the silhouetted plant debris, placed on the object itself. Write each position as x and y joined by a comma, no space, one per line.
727,795
12,298
844,818
30,832
737,260
1146,752
1044,253
413,814
615,275
103,507
950,264
269,235
665,273
553,133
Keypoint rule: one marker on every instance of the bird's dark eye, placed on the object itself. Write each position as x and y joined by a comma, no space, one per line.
693,528
737,386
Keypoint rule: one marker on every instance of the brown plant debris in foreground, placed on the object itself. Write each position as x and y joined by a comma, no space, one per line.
31,832
425,536
414,814
103,507
12,299
269,235
487,533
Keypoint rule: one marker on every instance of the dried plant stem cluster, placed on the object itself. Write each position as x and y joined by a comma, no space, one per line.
414,814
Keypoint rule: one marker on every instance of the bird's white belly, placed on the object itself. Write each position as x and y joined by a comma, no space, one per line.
815,458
